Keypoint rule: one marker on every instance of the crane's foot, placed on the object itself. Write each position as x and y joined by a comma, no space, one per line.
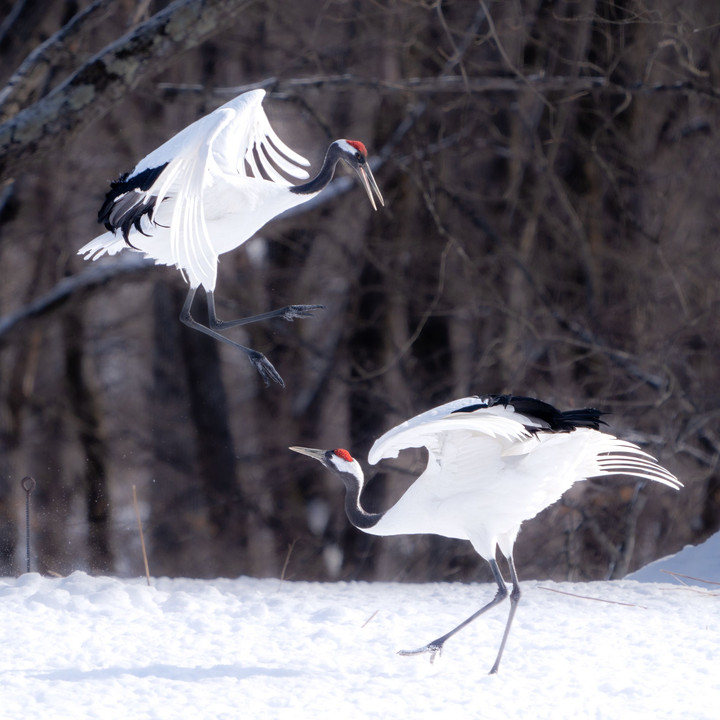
264,367
434,648
292,312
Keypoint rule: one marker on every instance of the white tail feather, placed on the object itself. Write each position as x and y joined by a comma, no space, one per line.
613,456
105,243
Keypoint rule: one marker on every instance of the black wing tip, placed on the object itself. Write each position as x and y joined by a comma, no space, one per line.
113,216
586,417
556,420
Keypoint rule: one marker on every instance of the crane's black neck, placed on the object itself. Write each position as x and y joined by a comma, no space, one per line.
358,516
323,178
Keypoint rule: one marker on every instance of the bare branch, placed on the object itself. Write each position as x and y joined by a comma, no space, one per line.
545,84
68,286
107,77
440,84
506,57
56,49
12,16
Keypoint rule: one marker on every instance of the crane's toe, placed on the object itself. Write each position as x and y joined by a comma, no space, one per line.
265,368
434,648
291,312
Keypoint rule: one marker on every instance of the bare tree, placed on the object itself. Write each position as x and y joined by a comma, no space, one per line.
551,183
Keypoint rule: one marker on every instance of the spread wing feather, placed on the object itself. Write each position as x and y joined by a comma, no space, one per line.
429,428
236,138
476,441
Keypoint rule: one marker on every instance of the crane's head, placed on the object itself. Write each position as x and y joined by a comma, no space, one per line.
338,461
342,463
354,154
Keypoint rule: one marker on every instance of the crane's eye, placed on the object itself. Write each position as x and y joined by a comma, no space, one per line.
359,157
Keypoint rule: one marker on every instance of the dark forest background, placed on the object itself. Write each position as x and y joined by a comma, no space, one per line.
551,173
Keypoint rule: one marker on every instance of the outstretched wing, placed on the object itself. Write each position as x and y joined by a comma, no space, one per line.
430,429
605,454
235,139
473,434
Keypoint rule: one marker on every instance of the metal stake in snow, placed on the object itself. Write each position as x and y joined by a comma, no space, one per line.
28,485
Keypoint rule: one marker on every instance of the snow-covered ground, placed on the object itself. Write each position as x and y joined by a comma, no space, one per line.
100,647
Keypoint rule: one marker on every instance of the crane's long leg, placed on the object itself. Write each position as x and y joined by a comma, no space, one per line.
436,646
289,313
259,361
514,600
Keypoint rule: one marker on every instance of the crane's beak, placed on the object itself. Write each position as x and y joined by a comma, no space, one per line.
368,181
310,452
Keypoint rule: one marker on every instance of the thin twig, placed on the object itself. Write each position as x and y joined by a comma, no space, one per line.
287,560
506,57
370,618
142,537
587,597
689,577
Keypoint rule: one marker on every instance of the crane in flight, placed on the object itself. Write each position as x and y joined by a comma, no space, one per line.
209,189
493,462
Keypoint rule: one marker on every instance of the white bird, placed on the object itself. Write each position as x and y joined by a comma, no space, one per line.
493,462
209,189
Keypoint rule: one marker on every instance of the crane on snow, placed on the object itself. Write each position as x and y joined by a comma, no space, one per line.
493,462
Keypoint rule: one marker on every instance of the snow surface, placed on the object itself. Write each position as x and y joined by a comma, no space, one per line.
101,647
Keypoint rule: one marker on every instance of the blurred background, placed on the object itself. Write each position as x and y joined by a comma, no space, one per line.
551,172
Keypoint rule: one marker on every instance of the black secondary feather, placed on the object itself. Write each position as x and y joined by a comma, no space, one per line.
124,205
551,419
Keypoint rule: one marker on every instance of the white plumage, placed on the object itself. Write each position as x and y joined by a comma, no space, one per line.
491,469
493,462
206,191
